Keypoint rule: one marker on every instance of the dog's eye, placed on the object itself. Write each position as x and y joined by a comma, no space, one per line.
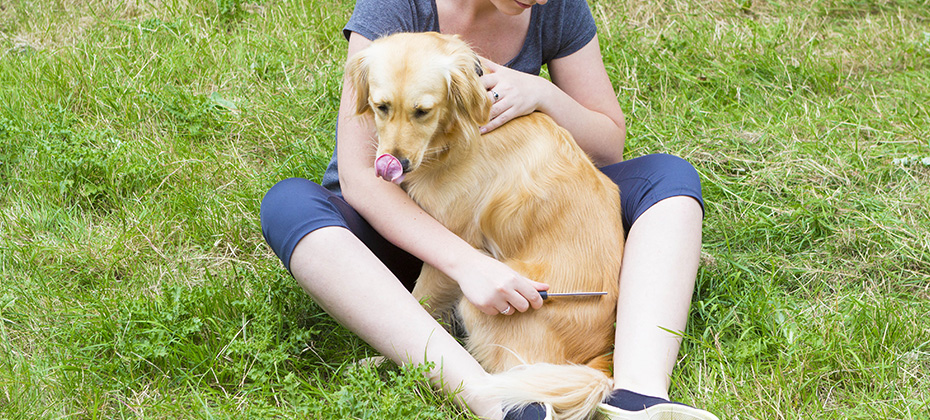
420,112
382,108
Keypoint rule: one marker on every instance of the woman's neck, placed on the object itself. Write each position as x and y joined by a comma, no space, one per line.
493,34
471,10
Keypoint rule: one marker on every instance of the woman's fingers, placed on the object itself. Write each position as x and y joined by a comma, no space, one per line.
526,295
495,288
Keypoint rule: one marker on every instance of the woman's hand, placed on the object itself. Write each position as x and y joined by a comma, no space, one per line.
513,93
495,288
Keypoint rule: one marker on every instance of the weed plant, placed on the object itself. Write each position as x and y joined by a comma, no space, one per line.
137,139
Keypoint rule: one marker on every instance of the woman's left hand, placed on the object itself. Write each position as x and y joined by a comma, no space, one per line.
512,92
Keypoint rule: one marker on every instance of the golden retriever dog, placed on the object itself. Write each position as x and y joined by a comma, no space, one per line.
524,193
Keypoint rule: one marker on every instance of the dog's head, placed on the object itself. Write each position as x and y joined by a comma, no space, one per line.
424,92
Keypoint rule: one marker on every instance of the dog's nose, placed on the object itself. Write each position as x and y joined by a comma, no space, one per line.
405,164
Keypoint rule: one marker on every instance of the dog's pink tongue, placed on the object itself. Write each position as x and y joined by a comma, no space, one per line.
389,168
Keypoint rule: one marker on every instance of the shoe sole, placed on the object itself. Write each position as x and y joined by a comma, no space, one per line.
656,412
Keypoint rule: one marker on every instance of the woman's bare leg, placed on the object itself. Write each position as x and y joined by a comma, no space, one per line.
660,263
356,289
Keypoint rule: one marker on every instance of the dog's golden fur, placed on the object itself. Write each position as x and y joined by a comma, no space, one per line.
524,193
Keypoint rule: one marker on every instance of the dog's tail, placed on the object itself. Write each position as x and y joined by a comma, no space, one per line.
573,390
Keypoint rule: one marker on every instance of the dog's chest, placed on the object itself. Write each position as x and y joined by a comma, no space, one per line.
453,202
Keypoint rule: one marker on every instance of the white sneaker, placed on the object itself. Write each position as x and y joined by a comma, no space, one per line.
661,411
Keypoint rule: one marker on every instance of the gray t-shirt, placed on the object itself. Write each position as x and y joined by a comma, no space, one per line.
557,29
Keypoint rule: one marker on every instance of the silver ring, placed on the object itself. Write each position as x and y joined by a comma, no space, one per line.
495,95
506,311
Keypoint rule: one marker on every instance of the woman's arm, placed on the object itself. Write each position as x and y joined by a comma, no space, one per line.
579,98
487,283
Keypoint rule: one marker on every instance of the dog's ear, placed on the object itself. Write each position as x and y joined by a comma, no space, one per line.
357,73
465,88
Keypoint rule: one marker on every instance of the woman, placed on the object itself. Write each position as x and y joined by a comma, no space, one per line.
359,261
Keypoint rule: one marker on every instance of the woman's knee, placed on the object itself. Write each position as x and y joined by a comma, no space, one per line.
293,208
673,169
646,180
284,196
287,187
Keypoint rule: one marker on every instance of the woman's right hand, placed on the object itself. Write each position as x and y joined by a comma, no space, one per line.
495,288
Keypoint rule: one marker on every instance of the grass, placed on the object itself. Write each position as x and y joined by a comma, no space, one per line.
137,139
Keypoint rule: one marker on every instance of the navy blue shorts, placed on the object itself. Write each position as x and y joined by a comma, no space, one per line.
295,207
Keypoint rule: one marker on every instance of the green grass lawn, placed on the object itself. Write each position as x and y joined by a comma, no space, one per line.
137,139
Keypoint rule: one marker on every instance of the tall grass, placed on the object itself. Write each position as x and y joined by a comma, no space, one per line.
137,139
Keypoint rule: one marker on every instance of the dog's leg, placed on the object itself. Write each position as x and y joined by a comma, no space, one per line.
437,292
